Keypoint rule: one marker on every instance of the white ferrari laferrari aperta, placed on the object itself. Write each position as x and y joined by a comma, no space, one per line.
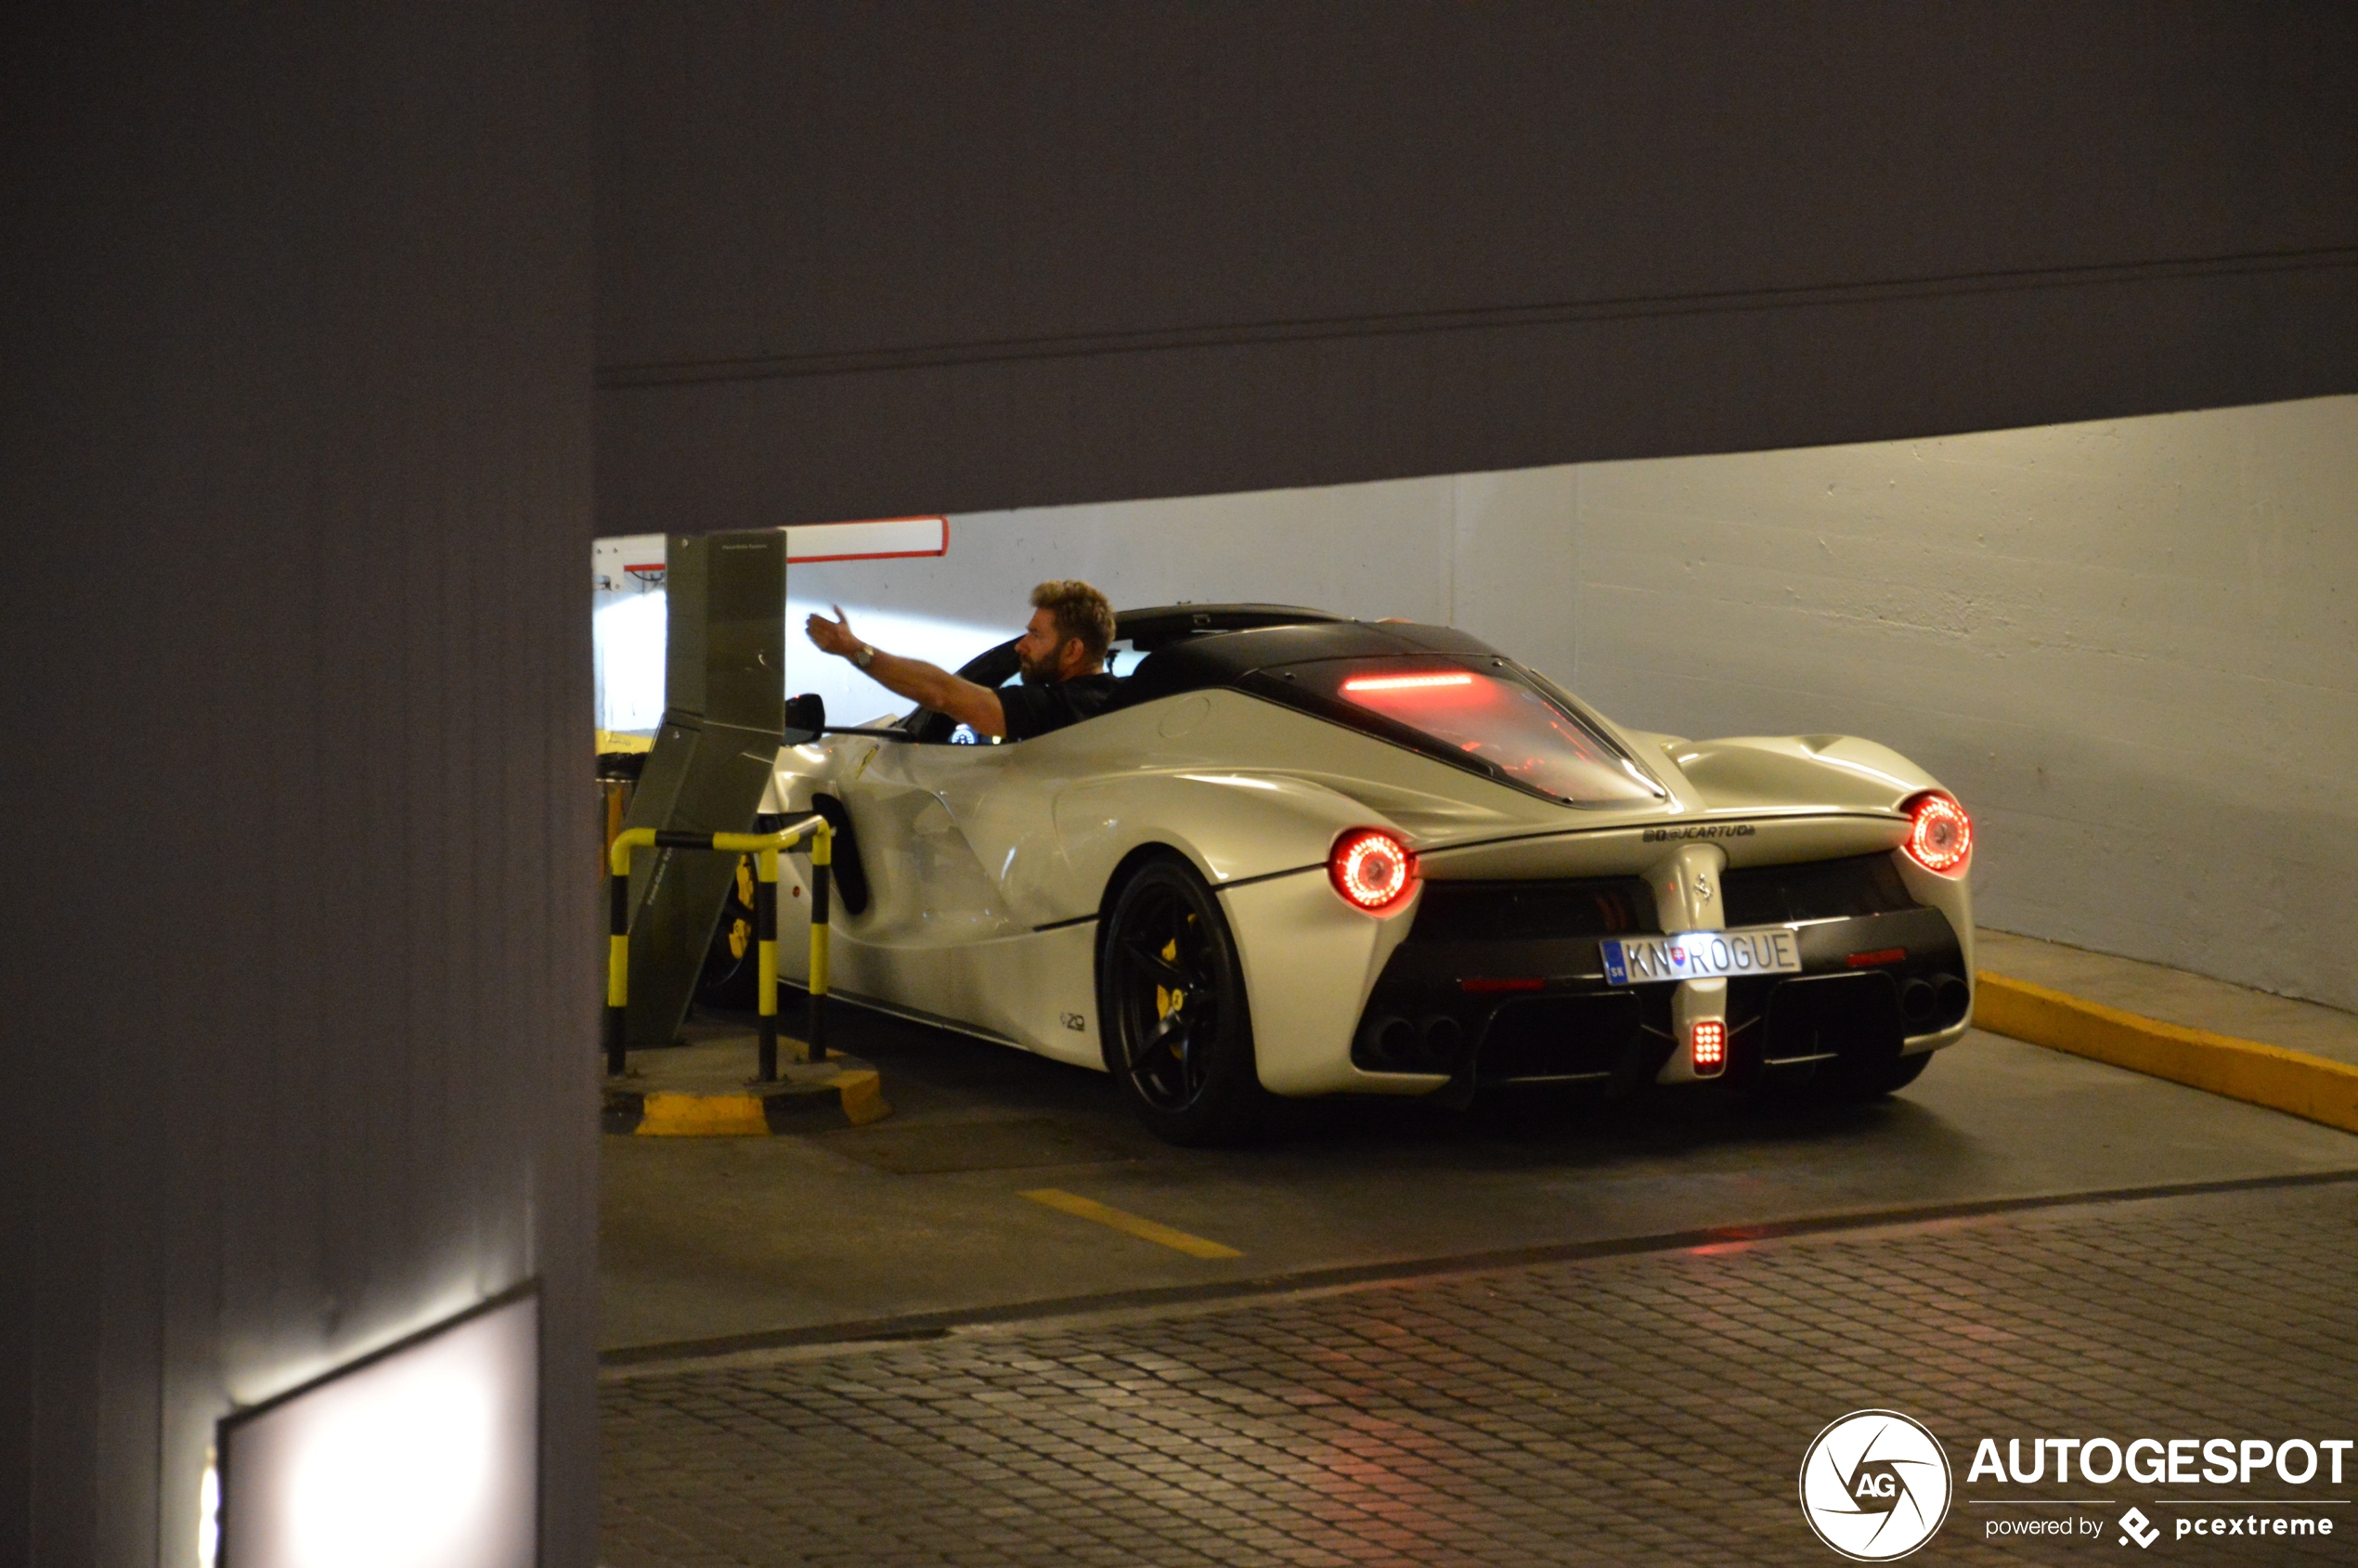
1303,855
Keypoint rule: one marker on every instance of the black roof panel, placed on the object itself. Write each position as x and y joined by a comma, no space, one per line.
1149,629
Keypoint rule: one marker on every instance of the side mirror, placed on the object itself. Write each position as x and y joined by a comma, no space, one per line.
805,717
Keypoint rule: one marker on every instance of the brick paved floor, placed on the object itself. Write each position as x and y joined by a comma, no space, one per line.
1621,1410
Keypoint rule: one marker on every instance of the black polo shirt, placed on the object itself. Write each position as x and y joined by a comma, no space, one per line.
1035,710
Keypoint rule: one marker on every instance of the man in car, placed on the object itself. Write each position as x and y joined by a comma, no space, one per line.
1062,654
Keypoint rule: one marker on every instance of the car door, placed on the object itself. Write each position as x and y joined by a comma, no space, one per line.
960,837
999,802
939,893
1001,799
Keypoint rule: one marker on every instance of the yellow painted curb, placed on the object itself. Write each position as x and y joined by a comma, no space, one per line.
2242,1069
850,1095
863,1093
703,1116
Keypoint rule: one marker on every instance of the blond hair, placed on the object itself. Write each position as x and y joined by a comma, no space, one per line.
1080,612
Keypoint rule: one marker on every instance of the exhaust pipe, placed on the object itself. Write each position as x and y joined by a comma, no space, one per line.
1444,1038
1388,1040
1954,996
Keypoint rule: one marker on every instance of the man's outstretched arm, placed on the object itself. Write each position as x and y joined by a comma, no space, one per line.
927,685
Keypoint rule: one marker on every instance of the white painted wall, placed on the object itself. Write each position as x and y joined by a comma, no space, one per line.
1433,549
2130,647
626,627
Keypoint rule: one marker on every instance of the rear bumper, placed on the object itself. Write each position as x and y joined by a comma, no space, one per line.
1508,1011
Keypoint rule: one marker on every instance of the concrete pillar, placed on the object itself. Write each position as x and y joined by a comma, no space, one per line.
299,953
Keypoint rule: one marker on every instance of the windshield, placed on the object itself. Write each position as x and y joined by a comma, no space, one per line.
1493,721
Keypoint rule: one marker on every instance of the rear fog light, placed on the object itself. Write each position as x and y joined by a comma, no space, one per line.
1710,1039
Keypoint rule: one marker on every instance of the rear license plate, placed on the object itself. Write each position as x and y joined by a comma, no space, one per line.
1702,955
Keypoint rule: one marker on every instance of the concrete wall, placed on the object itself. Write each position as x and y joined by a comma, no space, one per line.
868,261
2131,647
300,957
1473,549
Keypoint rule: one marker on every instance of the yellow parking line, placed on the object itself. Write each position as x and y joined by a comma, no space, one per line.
1131,1225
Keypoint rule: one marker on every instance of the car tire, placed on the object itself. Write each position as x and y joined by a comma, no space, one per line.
1170,1000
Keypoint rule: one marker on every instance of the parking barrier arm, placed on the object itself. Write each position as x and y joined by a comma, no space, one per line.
765,848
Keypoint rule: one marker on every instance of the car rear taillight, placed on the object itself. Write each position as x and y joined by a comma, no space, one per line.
1372,870
1710,1042
1940,838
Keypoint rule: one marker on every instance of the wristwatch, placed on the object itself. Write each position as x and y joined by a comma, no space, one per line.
864,656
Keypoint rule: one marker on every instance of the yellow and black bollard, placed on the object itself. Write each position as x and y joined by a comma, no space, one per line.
765,936
765,848
822,874
618,945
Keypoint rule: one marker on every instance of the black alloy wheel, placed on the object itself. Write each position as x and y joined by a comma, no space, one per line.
1170,996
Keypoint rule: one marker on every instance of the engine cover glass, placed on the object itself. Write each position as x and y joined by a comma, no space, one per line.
1500,724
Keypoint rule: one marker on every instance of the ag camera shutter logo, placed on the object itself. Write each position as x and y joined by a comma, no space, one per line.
1875,1486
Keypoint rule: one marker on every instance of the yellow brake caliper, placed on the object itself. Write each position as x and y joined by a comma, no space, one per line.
740,928
1167,1001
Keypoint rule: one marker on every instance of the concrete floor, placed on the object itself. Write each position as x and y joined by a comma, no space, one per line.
1651,1408
707,1242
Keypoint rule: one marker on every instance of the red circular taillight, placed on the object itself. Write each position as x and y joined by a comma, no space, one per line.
1372,870
1941,837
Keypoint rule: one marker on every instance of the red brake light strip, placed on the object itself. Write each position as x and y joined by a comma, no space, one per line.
1406,683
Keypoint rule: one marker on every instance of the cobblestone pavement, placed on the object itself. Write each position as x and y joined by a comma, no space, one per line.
1642,1408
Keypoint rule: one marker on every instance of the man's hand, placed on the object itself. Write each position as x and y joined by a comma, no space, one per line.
929,685
832,636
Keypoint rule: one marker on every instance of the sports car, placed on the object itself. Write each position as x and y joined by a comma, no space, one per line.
1304,855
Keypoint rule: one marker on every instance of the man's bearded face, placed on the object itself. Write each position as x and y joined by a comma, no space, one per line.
1038,650
1040,670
